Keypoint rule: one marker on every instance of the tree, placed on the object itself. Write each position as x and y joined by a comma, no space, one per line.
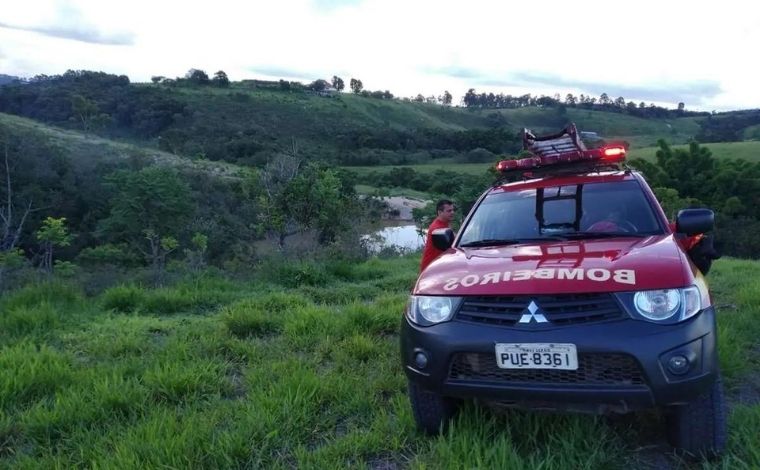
356,85
220,79
337,83
446,98
84,110
318,85
52,233
196,257
156,79
11,221
297,198
470,98
148,205
160,248
197,77
570,100
275,178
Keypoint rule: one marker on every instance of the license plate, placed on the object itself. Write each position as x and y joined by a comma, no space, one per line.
536,356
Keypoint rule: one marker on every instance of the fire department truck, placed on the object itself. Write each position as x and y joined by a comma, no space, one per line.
567,288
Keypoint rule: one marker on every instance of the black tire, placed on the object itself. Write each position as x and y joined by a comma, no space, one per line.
432,412
699,428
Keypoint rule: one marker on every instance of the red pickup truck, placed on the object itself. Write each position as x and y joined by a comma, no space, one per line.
567,288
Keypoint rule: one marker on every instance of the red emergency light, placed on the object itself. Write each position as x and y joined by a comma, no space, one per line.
601,156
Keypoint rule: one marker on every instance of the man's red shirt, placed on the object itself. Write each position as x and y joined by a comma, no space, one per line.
430,252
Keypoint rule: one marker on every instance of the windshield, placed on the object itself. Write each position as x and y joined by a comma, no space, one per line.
592,210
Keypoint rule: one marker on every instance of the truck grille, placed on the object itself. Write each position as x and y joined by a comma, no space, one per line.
562,309
593,369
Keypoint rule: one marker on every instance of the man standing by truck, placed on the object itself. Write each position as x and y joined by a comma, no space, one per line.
445,213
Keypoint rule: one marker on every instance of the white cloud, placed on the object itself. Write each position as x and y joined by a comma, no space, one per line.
404,45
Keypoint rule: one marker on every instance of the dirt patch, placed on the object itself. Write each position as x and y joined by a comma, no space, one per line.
402,206
383,462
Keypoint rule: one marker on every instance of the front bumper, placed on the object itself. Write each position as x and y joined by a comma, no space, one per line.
622,364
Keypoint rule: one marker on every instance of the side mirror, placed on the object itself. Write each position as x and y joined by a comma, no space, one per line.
443,238
694,221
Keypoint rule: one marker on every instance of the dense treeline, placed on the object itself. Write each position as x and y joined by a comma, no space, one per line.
93,101
228,126
693,177
472,99
727,127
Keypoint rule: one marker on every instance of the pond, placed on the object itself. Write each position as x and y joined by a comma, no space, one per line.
403,237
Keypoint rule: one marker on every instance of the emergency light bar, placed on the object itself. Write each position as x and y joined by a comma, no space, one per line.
600,156
562,149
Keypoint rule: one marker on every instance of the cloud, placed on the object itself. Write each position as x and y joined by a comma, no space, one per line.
283,72
81,33
451,71
330,5
696,91
692,91
65,20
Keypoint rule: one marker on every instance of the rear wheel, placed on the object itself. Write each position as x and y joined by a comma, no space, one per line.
432,411
699,427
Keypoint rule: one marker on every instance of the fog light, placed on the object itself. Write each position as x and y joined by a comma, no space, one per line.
420,360
678,364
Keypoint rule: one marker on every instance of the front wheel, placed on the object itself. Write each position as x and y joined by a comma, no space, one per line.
699,427
432,412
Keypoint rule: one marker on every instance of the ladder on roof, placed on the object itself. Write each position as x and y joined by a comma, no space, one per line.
563,142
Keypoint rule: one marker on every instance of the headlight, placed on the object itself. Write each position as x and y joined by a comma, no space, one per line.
426,310
665,305
657,304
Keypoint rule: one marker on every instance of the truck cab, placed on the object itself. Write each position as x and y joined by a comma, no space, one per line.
567,288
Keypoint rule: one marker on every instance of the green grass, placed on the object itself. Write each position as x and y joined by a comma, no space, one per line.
427,168
638,131
749,151
267,374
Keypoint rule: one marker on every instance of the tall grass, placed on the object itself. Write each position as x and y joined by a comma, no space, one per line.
259,374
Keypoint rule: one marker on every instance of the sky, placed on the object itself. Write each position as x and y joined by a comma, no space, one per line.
701,53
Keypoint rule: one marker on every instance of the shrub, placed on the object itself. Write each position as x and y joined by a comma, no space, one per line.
123,298
294,273
57,293
26,319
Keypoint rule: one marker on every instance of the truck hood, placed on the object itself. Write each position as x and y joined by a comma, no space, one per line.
600,265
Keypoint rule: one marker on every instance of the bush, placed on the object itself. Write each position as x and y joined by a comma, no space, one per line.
23,320
294,273
57,293
123,298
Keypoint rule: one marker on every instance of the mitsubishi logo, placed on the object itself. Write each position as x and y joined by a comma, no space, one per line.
532,315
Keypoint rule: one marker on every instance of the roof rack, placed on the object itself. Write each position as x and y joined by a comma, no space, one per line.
561,153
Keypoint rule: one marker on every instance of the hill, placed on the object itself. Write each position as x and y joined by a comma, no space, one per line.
89,151
250,122
80,177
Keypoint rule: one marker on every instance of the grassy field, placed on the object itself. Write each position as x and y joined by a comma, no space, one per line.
297,368
749,151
